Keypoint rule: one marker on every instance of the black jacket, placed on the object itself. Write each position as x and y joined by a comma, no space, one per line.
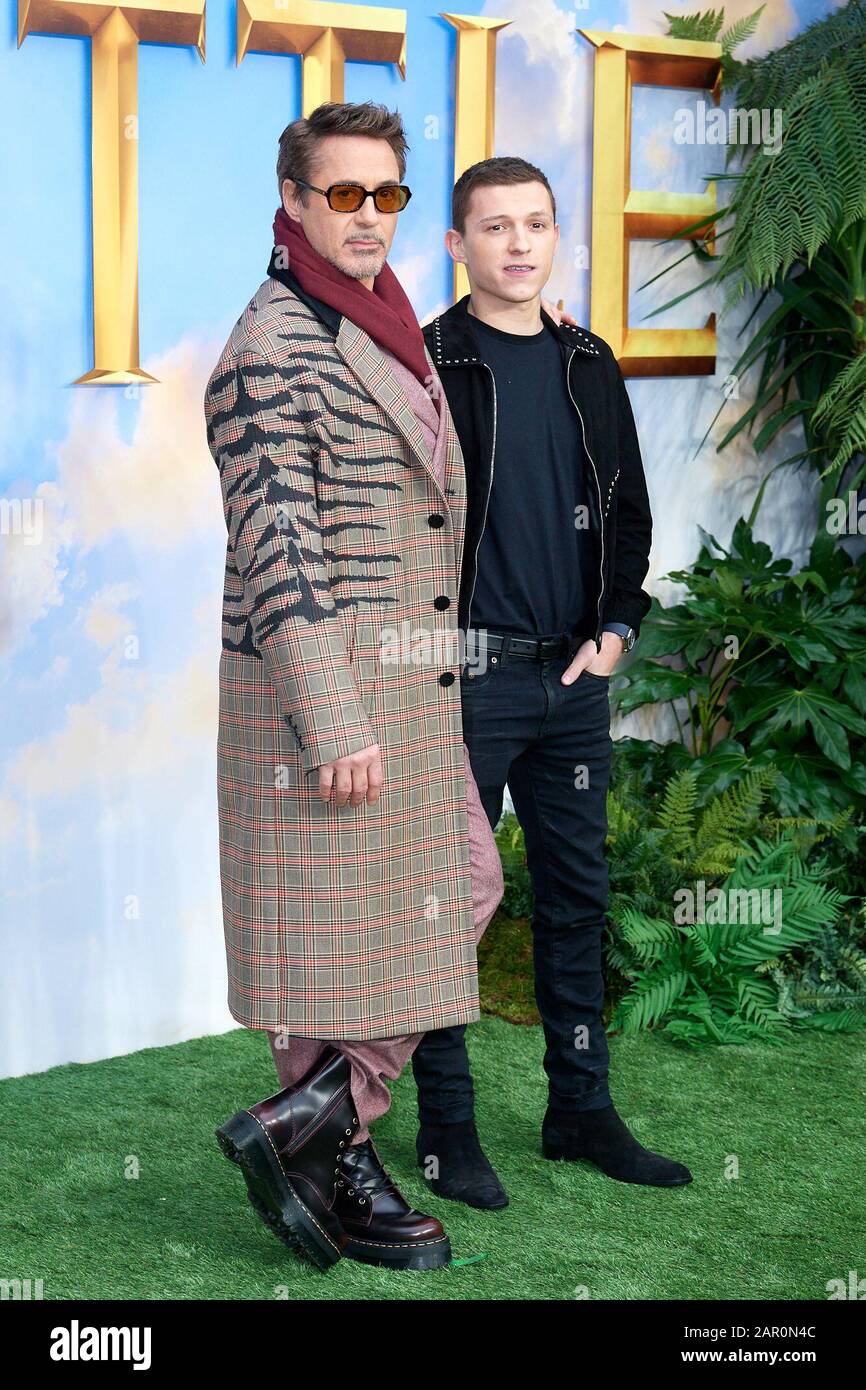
620,519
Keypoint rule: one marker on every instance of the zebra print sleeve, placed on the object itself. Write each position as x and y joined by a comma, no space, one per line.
264,458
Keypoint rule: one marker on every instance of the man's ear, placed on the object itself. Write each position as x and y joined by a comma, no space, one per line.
454,246
290,193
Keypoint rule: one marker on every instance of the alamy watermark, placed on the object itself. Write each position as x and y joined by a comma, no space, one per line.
706,124
22,516
751,906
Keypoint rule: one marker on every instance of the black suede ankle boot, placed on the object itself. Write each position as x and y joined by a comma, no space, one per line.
456,1166
602,1138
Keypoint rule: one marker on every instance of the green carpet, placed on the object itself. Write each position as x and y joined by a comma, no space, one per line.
792,1220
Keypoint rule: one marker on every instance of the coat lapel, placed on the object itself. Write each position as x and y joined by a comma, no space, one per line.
364,359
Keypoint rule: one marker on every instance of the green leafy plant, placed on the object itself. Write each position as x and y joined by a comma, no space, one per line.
793,229
719,976
831,976
762,664
708,27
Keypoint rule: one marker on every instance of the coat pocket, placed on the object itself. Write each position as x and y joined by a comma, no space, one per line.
363,650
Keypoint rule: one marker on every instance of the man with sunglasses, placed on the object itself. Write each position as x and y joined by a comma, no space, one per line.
358,867
556,550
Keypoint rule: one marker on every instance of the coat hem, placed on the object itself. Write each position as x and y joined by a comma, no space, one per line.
451,1019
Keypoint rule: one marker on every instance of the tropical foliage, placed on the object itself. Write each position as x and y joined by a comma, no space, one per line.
713,906
791,226
761,664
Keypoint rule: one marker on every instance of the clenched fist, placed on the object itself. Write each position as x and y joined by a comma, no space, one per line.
355,778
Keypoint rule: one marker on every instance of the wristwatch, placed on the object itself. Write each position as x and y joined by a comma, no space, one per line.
627,634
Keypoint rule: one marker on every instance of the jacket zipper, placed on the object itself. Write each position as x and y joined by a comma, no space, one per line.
486,505
597,486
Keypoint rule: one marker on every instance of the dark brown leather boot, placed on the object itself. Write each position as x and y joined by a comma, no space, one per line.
381,1227
289,1149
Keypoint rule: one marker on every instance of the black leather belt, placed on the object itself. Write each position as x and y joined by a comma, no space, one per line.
508,644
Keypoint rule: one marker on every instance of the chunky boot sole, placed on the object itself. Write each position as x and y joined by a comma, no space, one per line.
431,1254
243,1141
557,1151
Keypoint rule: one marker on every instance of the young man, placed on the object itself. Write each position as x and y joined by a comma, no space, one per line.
556,549
358,867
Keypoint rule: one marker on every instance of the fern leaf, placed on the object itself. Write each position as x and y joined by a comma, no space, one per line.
677,810
648,1002
845,1021
741,30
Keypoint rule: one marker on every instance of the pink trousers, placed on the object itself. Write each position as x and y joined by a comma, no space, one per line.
374,1061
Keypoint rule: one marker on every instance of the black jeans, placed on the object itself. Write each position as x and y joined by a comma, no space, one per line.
551,743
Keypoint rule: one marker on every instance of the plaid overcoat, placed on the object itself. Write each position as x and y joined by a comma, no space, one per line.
339,630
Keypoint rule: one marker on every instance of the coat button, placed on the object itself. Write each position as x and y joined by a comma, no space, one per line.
441,601
435,519
447,678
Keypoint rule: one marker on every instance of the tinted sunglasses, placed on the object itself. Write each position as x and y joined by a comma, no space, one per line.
349,197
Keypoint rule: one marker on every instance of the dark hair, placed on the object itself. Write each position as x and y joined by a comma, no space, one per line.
299,141
506,169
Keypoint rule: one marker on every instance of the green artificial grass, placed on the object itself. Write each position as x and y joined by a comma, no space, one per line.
788,1116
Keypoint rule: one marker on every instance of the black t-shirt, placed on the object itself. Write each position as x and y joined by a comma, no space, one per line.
536,567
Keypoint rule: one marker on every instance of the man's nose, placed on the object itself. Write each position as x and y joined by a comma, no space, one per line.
367,214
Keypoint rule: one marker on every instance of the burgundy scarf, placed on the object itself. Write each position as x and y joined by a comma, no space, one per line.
384,312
